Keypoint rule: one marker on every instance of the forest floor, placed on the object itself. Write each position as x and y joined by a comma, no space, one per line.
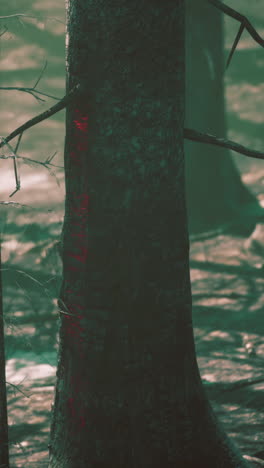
228,297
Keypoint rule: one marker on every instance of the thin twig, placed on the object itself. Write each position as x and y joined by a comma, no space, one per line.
18,142
45,164
234,46
17,176
32,91
48,160
23,15
21,204
41,74
43,116
66,313
17,15
17,388
194,135
40,284
34,161
14,157
4,31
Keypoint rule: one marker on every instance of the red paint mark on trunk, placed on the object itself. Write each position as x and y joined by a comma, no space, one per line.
82,257
79,203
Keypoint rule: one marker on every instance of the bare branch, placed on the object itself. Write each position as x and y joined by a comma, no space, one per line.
43,116
194,135
241,18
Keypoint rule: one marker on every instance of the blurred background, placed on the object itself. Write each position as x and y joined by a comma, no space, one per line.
224,197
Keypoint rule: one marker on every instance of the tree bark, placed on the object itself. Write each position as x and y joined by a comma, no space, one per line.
4,448
128,391
215,193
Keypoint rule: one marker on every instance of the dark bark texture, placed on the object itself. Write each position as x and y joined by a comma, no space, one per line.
4,449
128,392
215,193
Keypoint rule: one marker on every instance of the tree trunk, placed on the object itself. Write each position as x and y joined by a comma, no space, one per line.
4,448
215,193
128,392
